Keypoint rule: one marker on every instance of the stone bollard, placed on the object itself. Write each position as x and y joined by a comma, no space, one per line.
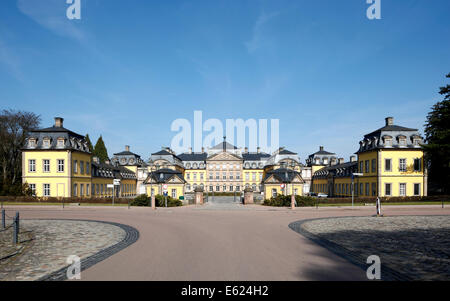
198,196
248,196
293,201
153,202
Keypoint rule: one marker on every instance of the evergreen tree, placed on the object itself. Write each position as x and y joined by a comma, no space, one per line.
100,150
89,143
437,134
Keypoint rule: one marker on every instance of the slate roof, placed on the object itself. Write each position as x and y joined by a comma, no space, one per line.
166,175
390,128
338,170
193,156
254,156
73,141
280,175
287,152
126,153
163,153
227,145
55,129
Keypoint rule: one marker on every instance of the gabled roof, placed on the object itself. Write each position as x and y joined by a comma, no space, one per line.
163,175
286,152
283,175
227,146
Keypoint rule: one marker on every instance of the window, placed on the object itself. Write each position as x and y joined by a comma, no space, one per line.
46,189
367,166
32,143
60,143
361,163
33,189
254,187
388,188
361,188
254,176
188,187
388,165
81,167
195,176
231,188
238,188
75,166
32,165
346,189
417,164
274,193
374,189
231,176
46,143
211,188
60,165
217,188
388,142
247,177
210,176
101,189
295,191
46,165
87,189
402,141
201,176
402,165
174,193
416,189
188,176
87,168
224,188
402,189
217,176
81,189
97,188
224,176
238,176
75,189
367,189
374,165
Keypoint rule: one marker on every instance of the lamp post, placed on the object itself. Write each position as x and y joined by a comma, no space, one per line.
294,164
152,196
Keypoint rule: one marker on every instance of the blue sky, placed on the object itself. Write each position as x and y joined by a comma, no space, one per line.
127,69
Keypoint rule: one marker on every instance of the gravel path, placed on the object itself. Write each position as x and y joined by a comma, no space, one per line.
52,242
410,247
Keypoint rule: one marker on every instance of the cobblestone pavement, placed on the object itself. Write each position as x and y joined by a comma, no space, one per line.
412,247
52,242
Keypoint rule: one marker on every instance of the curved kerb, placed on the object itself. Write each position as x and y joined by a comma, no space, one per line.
131,236
355,258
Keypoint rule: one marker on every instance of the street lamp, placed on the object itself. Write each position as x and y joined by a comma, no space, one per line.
294,164
152,165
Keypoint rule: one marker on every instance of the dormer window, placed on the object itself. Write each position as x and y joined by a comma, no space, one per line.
402,141
46,143
60,143
417,141
317,161
32,143
325,161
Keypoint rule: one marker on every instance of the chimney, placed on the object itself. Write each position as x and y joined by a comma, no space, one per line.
59,121
333,161
321,148
352,158
203,149
224,143
190,150
127,148
389,121
341,161
246,150
258,149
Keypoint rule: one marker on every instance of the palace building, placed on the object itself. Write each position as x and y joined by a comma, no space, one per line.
58,163
389,159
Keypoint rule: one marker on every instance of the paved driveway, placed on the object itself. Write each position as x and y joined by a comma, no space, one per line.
190,244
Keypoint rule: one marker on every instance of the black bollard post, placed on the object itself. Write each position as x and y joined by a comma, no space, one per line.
16,230
3,219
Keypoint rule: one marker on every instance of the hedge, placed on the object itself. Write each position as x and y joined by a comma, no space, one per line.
72,200
144,200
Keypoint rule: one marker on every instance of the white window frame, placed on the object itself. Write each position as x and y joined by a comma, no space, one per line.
32,165
400,189
59,165
46,190
46,165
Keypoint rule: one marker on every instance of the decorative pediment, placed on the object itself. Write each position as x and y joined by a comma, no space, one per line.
175,180
272,180
224,157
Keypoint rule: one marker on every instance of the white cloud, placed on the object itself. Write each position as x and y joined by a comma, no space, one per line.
258,37
51,14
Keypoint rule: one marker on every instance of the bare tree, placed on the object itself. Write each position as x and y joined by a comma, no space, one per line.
14,128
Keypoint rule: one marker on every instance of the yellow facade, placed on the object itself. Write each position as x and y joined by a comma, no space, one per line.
195,177
173,190
270,189
252,178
